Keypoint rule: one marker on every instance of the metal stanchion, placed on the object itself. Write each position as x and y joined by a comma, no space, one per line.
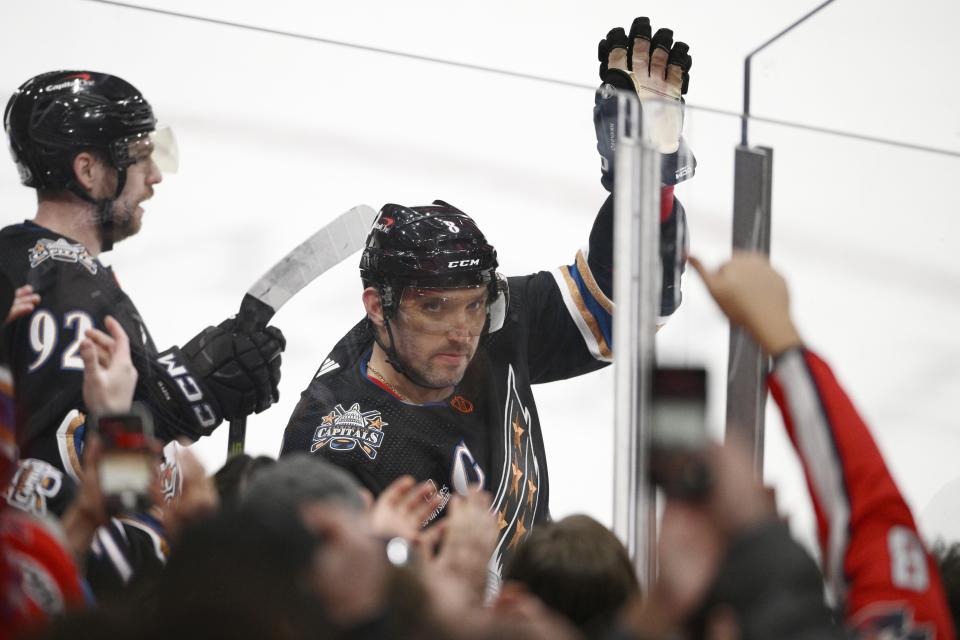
747,365
636,293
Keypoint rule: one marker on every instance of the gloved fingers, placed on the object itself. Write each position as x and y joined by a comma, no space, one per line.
266,382
640,45
277,335
616,47
602,52
269,343
263,402
268,393
660,52
678,67
274,369
250,360
274,383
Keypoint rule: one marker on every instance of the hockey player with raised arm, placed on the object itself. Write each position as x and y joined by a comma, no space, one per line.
884,580
88,143
436,380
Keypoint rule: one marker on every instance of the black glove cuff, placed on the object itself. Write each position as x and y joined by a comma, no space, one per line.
184,394
674,248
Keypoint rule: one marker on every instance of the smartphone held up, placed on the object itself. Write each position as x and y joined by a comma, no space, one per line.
127,468
679,439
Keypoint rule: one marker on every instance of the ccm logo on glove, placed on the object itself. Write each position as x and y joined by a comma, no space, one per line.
191,391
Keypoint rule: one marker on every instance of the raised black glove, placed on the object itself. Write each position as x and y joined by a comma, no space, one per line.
657,70
240,368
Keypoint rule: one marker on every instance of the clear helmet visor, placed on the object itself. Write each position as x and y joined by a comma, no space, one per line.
458,311
158,145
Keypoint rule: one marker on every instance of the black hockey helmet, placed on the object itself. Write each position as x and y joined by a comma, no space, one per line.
55,115
436,246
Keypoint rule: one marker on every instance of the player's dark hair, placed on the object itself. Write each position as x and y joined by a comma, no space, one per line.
241,574
948,561
299,479
61,192
232,478
579,568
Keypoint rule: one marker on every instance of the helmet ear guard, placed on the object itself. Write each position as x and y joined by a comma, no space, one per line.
500,301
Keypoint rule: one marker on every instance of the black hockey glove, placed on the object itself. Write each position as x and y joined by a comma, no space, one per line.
656,70
241,368
219,374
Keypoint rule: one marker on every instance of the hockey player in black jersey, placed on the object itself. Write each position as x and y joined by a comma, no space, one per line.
88,143
436,380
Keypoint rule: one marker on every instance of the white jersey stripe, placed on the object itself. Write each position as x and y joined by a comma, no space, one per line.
814,439
116,556
158,544
572,308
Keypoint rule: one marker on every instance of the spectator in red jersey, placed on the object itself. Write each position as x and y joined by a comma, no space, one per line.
884,580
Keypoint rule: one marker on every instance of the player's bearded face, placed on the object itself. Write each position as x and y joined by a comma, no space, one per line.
436,331
126,209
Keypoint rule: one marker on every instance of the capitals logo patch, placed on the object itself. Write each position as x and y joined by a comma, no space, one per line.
62,251
346,430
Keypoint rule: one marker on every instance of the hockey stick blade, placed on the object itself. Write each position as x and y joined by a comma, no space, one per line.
326,248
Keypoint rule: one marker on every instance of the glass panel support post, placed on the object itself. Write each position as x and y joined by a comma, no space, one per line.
747,366
637,281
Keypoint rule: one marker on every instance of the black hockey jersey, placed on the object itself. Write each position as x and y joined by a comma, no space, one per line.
558,325
76,293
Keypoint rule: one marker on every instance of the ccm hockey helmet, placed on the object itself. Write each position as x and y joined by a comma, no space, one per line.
436,247
55,115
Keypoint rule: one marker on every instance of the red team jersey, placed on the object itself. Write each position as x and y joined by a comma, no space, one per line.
873,558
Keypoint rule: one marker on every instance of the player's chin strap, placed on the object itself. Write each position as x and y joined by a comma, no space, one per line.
103,209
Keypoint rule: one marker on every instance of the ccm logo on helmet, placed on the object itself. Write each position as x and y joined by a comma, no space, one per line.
463,263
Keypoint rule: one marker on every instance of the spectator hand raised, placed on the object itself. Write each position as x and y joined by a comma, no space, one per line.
753,295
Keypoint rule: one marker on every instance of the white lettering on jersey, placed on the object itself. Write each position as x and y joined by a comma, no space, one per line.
908,562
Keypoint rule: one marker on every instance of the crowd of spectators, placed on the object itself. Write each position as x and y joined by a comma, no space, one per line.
296,548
